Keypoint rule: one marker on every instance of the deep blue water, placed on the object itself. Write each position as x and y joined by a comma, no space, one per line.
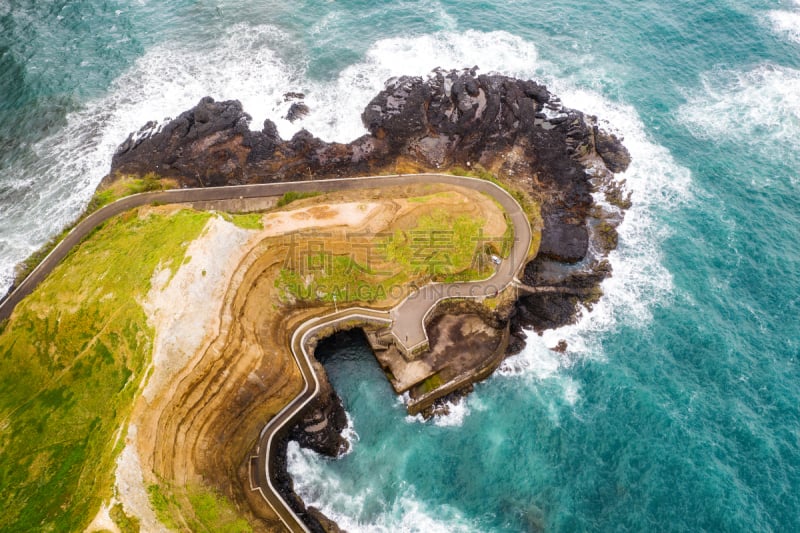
676,407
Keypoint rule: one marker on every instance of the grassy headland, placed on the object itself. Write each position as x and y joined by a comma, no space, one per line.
125,186
529,205
431,245
73,357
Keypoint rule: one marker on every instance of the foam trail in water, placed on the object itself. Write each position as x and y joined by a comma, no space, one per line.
336,111
457,411
241,64
640,280
350,435
742,105
786,23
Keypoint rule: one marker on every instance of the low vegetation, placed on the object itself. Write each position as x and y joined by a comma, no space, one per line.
203,511
165,506
125,523
528,204
292,196
126,186
438,248
215,514
72,357
120,188
23,269
245,220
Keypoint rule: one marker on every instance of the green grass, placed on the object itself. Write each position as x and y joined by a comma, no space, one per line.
71,361
245,220
119,189
165,506
23,269
530,207
338,277
291,196
431,384
438,248
206,512
507,241
216,514
124,187
125,523
428,197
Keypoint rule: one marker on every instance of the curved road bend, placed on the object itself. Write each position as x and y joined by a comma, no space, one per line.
407,318
260,477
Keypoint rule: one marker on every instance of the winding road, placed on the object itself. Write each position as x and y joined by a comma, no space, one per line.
407,319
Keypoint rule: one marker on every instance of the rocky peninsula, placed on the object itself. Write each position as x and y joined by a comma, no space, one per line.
507,130
197,345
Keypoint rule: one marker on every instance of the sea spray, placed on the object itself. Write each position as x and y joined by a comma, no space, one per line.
354,509
164,82
786,23
736,105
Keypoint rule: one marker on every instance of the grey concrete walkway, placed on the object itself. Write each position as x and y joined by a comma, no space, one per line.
408,318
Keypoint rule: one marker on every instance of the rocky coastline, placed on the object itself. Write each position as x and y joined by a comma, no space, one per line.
514,129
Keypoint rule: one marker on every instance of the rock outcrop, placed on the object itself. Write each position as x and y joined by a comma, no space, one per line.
516,128
320,428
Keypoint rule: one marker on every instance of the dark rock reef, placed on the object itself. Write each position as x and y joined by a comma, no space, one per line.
320,429
514,128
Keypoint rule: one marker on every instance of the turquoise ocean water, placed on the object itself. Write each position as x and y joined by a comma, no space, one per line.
677,406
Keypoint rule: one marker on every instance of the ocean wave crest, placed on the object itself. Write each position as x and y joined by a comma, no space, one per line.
741,105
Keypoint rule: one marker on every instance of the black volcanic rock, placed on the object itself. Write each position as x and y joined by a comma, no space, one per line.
614,154
456,118
564,241
205,146
297,111
320,428
450,118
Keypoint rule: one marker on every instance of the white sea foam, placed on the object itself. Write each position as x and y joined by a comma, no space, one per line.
242,64
456,413
350,435
640,281
353,507
742,105
786,23
657,181
336,111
